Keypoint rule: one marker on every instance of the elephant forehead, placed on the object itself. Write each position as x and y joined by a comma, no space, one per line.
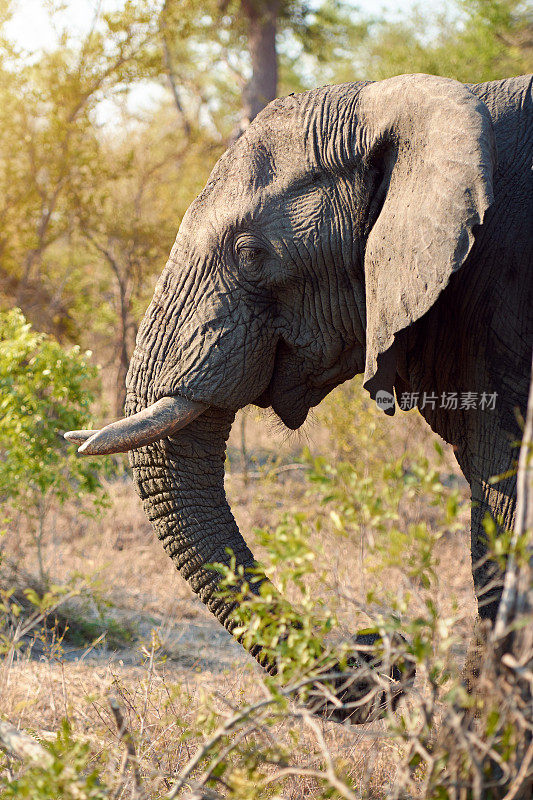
271,161
234,204
262,160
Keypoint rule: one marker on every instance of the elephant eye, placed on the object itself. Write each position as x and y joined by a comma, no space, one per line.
249,252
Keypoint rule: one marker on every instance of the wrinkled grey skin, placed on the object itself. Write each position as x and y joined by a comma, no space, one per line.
383,229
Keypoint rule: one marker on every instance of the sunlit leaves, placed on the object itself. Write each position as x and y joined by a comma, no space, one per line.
471,41
44,389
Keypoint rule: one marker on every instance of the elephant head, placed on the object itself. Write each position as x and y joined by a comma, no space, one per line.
328,228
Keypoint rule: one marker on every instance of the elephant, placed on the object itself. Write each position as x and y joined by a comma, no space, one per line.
378,228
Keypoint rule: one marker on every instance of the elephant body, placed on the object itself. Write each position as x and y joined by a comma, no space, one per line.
379,228
479,334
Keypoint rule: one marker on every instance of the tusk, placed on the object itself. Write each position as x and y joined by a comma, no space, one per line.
159,420
78,437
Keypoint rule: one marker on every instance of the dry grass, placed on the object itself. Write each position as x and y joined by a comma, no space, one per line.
179,653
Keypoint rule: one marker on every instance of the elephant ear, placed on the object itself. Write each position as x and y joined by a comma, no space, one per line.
431,141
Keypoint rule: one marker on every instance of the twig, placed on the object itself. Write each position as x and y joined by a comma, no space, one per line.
258,474
517,594
148,686
201,793
130,756
219,734
169,69
288,691
331,776
305,772
521,775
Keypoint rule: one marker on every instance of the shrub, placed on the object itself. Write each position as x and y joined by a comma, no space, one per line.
44,389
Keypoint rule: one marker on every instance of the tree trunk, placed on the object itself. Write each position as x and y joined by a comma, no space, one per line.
261,18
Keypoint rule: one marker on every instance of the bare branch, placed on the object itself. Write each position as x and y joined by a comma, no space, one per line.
169,69
130,756
517,595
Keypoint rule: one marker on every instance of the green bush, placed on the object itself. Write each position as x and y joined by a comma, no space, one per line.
44,389
66,773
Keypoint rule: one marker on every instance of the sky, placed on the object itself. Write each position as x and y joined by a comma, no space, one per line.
31,28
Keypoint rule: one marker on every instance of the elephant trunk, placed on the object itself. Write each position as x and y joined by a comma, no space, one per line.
180,480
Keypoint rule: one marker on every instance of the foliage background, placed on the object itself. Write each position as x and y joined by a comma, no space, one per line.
111,122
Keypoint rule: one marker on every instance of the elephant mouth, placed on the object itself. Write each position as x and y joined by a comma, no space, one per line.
298,384
292,412
292,407
286,393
